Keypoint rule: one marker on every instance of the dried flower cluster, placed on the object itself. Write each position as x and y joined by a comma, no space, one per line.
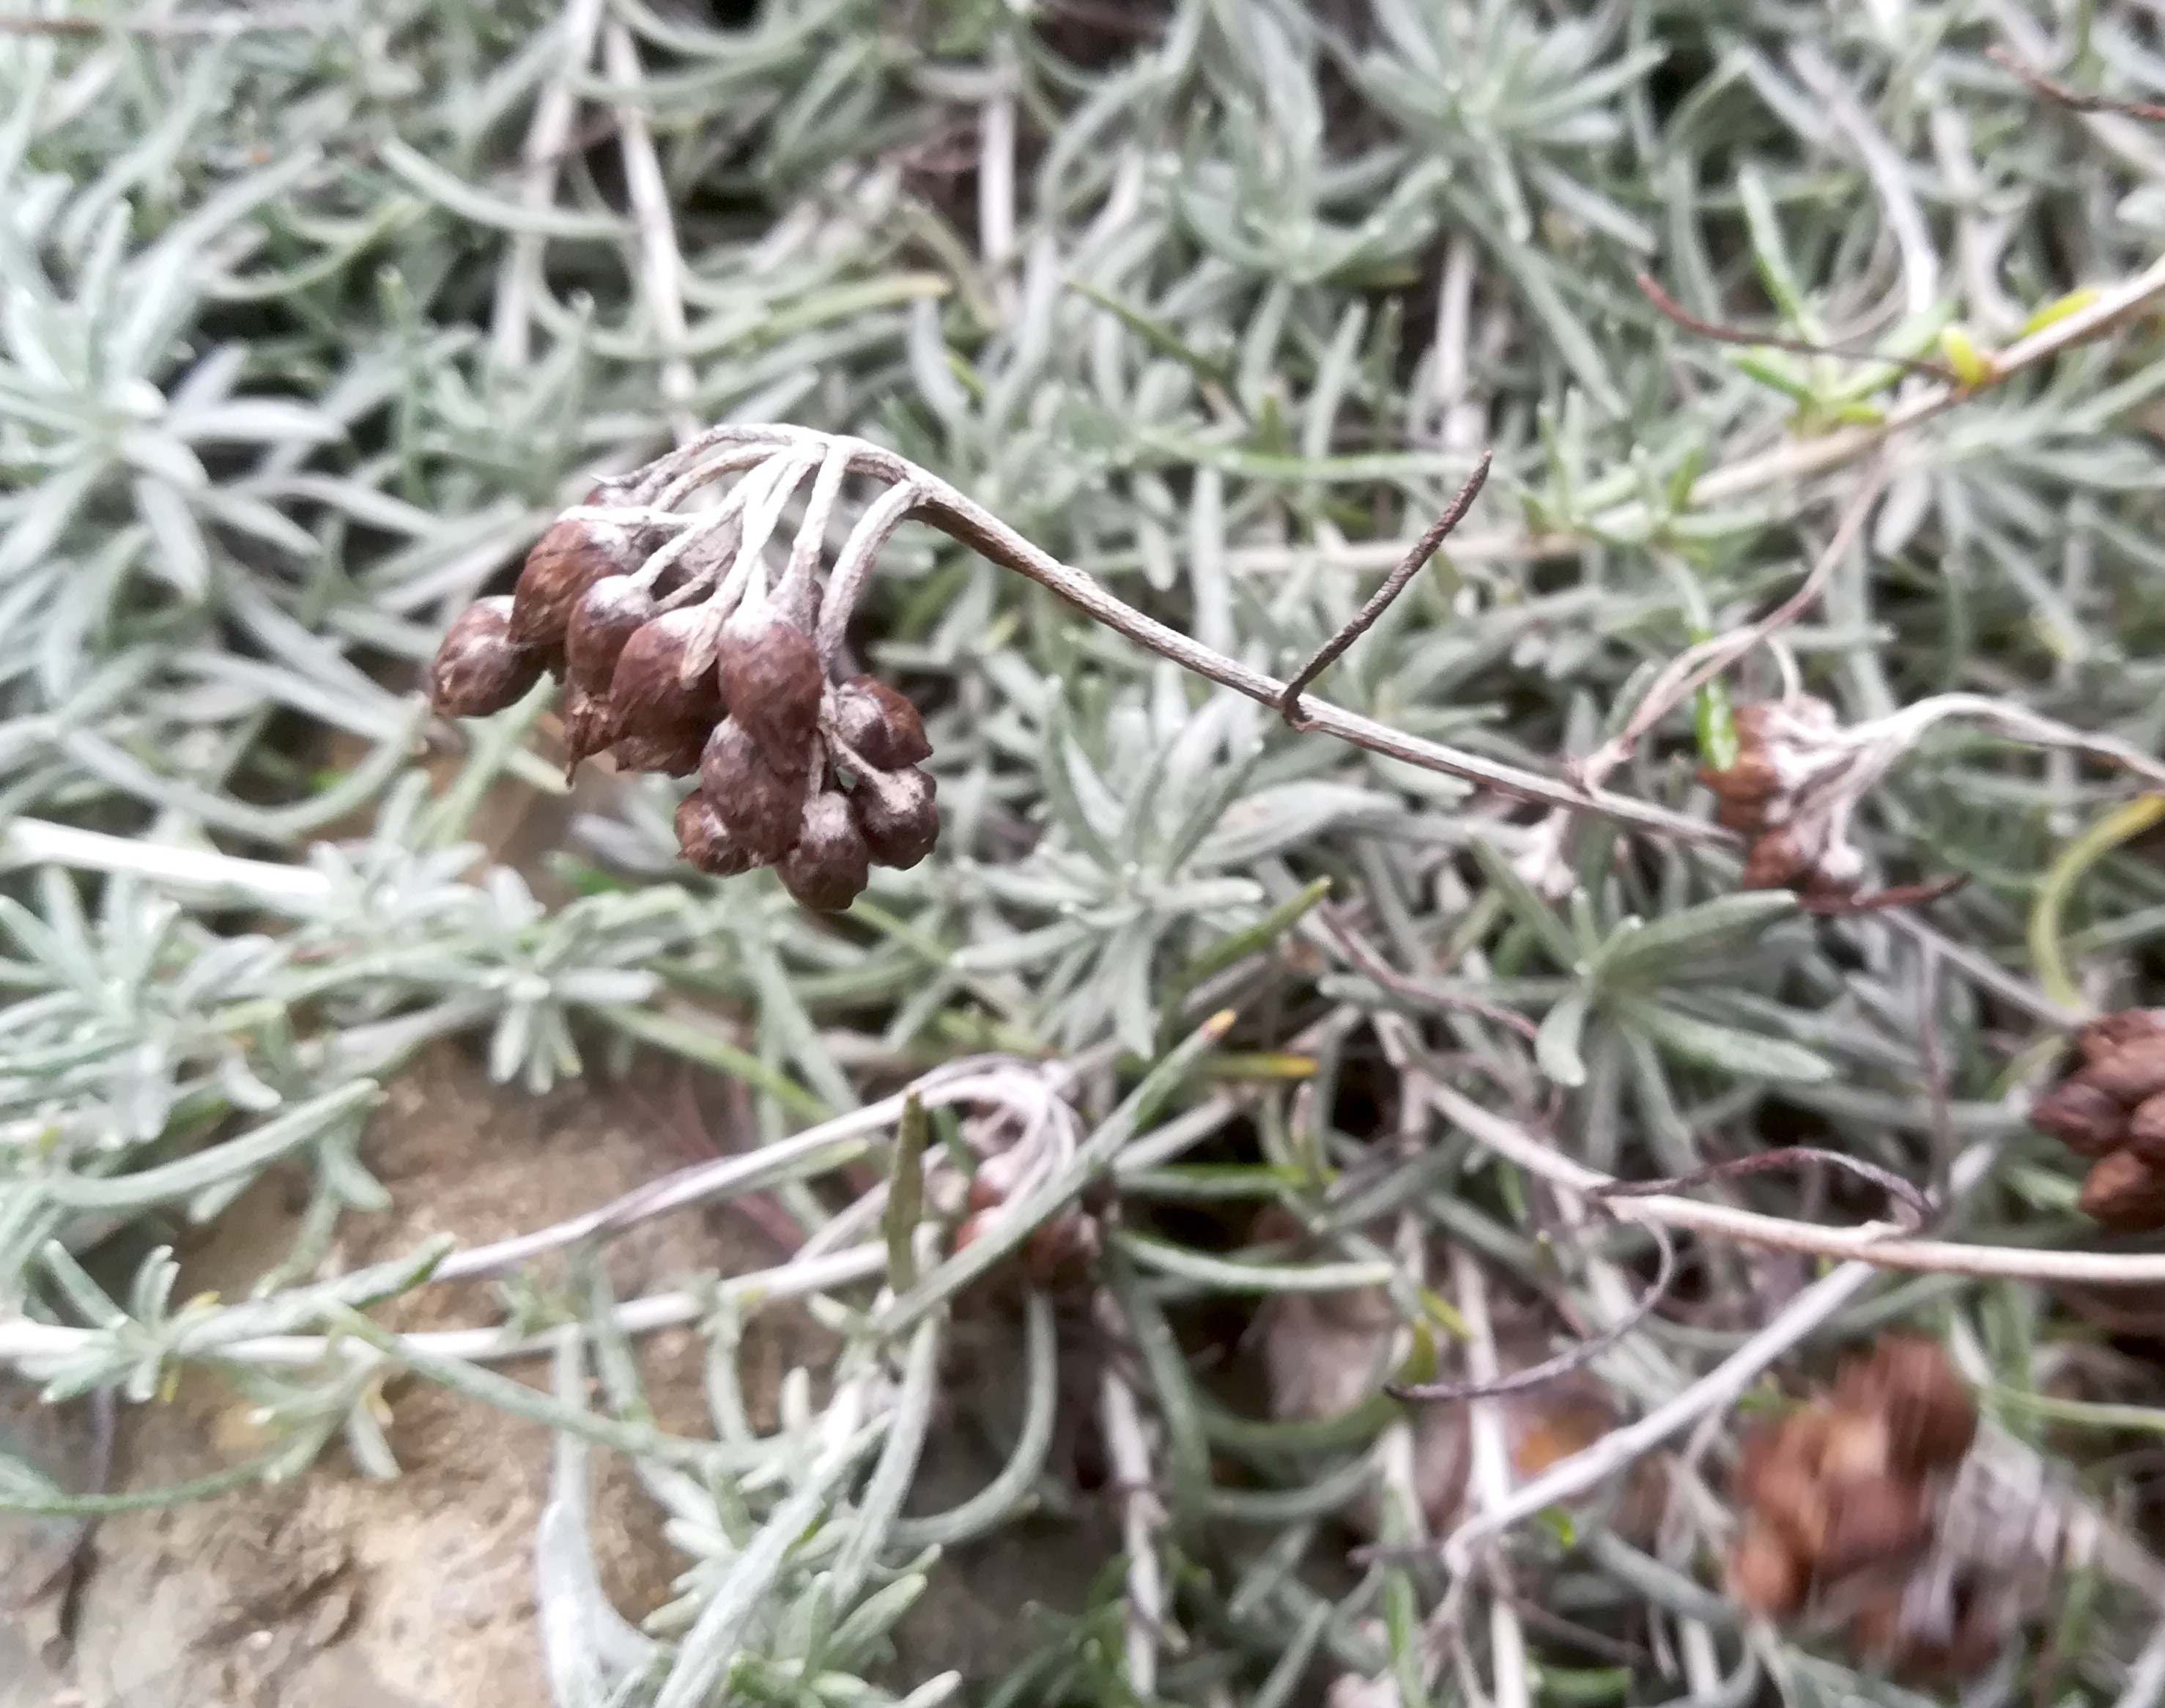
678,656
1062,1252
2112,1108
1843,1499
1783,793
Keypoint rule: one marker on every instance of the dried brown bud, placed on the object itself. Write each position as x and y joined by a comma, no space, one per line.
587,722
479,668
880,725
1859,1444
2129,1072
1778,1477
897,813
763,810
2081,1117
2145,1129
770,676
1930,1415
706,841
569,558
1060,1253
1751,782
674,752
1777,860
1763,1574
2107,1032
1746,818
1874,1521
828,868
607,615
647,695
2122,1192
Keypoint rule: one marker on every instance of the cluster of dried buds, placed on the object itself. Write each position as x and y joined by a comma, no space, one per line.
1843,1500
2112,1108
1792,792
1062,1252
1023,1136
681,653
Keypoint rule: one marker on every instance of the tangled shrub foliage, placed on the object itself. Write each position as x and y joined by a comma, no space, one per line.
315,313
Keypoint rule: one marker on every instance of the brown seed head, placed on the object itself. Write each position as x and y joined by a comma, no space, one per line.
1930,1413
2145,1129
897,813
587,722
829,868
2081,1117
675,751
646,694
1873,1521
607,615
1746,818
1763,1574
2123,1193
1777,860
770,675
880,725
762,809
479,668
2129,1071
1751,782
2107,1032
705,840
1859,1444
1778,1478
566,560
1060,1254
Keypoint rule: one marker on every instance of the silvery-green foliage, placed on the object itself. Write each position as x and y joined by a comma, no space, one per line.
298,353
1149,829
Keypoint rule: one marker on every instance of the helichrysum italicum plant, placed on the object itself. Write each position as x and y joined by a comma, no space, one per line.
314,319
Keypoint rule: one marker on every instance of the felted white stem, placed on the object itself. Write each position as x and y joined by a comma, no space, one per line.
725,515
1489,1483
721,449
1140,1516
546,137
853,564
742,596
660,261
799,582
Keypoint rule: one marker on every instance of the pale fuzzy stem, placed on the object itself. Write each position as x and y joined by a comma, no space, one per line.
1888,170
197,873
546,139
661,263
854,564
996,183
1489,1483
970,1079
1129,1449
1875,1245
1456,425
